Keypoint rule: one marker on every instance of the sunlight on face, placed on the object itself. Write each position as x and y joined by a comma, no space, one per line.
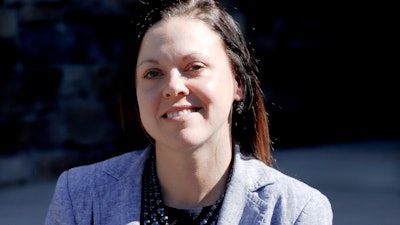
185,84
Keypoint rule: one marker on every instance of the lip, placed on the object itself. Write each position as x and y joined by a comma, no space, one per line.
180,111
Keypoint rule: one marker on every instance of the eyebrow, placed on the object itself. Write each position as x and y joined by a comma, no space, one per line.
147,61
193,54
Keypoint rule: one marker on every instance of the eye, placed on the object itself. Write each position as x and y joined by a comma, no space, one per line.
151,74
196,67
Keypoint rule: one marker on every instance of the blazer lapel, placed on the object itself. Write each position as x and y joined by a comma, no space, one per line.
242,205
119,202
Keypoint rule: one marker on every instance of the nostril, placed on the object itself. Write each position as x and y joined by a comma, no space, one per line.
175,87
167,93
175,93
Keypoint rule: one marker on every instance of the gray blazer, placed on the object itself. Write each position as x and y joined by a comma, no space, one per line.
109,193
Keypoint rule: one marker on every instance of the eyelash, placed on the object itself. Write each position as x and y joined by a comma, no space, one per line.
195,67
148,75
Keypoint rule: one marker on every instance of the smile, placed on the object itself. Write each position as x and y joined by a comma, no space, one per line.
183,112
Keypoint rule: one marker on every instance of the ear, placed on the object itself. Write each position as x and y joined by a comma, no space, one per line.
238,91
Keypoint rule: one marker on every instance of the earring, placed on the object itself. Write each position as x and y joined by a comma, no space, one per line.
239,120
239,107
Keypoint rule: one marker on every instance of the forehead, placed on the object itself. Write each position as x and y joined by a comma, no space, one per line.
184,31
188,21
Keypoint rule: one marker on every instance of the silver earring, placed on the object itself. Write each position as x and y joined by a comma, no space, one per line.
239,107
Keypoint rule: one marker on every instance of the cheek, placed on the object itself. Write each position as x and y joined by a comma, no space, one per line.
145,110
143,102
140,98
218,93
148,100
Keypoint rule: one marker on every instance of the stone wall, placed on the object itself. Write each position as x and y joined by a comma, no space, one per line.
60,59
58,99
57,92
59,64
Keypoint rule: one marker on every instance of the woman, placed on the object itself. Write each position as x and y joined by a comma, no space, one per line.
194,90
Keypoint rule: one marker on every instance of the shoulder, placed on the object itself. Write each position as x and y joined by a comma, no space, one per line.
282,196
263,178
104,172
291,191
80,190
296,201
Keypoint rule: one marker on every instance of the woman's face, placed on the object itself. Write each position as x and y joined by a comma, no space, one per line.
185,84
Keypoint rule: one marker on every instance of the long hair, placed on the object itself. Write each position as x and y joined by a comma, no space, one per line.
250,126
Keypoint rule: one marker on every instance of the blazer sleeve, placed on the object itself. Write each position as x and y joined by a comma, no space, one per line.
60,211
318,211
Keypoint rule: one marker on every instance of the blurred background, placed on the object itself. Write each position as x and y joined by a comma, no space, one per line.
328,70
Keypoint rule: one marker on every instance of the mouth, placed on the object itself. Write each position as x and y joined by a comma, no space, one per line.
182,112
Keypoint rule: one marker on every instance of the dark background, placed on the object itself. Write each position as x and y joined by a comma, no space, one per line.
328,71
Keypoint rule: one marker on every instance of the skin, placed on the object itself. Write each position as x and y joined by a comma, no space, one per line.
185,90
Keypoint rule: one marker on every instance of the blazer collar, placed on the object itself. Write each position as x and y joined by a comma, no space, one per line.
128,165
122,197
241,202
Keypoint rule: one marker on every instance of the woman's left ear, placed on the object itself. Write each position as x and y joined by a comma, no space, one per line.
238,95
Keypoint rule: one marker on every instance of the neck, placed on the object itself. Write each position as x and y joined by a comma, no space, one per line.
193,179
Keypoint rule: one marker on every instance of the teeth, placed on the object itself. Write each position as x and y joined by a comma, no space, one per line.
180,113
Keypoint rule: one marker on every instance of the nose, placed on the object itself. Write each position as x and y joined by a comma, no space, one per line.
175,85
